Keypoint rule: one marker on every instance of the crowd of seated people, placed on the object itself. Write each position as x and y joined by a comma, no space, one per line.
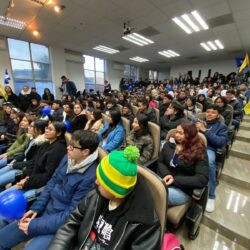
36,159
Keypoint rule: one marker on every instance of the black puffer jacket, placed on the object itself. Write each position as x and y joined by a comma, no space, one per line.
47,159
187,176
139,226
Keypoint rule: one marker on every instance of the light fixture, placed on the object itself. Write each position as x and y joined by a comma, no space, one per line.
13,23
139,59
59,8
138,39
168,53
192,22
106,49
36,33
12,4
212,45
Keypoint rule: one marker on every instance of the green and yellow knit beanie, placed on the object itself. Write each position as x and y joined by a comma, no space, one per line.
117,172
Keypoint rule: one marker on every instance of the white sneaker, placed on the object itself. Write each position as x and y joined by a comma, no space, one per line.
210,207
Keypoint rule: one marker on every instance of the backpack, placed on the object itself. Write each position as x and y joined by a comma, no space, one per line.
171,242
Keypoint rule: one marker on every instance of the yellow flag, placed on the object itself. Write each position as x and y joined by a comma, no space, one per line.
245,63
3,93
247,108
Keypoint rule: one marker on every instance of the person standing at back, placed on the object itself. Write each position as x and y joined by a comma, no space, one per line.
68,87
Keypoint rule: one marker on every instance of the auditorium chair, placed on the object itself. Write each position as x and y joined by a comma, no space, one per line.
126,125
210,100
199,106
193,210
154,130
159,194
120,107
134,110
157,112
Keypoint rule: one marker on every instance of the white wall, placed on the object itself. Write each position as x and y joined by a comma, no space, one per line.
113,75
223,67
5,63
163,75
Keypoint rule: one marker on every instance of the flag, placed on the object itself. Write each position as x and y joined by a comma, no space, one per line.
239,61
245,63
7,77
247,109
3,93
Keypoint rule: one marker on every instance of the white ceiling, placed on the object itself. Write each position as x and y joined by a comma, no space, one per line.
85,24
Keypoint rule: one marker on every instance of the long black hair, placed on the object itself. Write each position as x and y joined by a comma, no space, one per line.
143,123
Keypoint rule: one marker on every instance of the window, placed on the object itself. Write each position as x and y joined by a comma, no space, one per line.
30,65
130,72
94,72
153,75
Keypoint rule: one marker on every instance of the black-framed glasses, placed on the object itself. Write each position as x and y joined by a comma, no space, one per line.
72,147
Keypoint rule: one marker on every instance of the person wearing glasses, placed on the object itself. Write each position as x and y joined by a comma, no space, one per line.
72,180
47,159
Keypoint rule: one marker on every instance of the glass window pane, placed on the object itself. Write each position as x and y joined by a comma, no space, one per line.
89,76
18,84
21,69
19,49
90,86
89,62
133,71
42,71
40,86
99,78
39,53
126,70
99,64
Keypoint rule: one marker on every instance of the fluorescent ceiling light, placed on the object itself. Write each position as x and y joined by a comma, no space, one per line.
106,49
13,23
200,20
205,47
139,59
212,45
182,25
219,44
168,53
191,22
138,39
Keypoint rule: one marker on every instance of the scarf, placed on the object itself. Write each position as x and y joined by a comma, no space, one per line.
83,165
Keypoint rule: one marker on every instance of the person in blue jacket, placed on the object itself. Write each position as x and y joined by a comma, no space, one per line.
113,133
216,134
73,179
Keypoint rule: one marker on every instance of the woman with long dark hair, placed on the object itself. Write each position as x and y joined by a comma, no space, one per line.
80,118
183,163
141,138
191,108
222,103
113,133
95,124
47,95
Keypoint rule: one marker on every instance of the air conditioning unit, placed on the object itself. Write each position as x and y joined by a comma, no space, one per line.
74,56
117,66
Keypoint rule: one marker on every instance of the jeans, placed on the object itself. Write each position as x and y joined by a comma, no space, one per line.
7,175
176,196
3,148
3,162
28,194
212,173
11,235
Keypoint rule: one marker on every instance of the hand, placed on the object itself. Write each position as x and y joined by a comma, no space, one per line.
2,156
2,137
24,225
201,126
21,183
29,215
169,179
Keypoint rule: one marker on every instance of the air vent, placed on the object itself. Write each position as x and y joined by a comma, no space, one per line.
121,48
236,51
149,31
220,20
162,62
72,52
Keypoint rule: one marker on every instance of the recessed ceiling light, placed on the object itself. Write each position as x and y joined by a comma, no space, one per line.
192,22
212,45
59,8
168,53
13,23
138,39
139,59
36,33
106,49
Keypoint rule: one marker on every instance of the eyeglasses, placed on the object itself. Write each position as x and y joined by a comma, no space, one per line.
71,147
49,129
